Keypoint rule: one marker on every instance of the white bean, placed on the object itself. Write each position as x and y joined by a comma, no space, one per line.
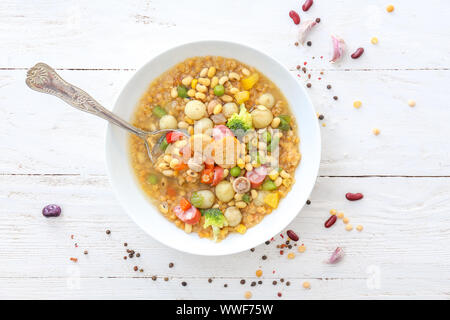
233,216
224,191
261,117
203,125
267,100
168,122
195,109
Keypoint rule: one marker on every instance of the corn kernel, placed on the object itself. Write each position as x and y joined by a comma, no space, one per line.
301,249
340,215
194,83
291,255
241,163
376,131
374,40
357,104
390,8
333,212
241,229
359,227
346,220
273,174
306,285
411,103
349,227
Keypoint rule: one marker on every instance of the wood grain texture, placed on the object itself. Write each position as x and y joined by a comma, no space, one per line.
412,258
51,153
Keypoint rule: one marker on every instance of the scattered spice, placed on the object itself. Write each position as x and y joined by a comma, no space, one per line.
267,242
264,257
331,220
124,257
171,265
288,283
317,20
154,278
329,86
166,278
125,244
274,282
357,104
135,268
321,117
141,270
291,255
242,281
253,284
294,16
85,252
308,202
298,67
358,53
353,196
51,210
260,282
336,256
108,231
296,44
184,284
210,280
279,294
138,254
225,285
309,43
301,248
252,249
335,97
74,259
308,85
292,235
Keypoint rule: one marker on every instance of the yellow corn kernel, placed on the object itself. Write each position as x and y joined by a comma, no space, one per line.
189,120
194,83
333,212
241,163
273,174
242,96
357,104
374,40
241,229
249,82
390,8
272,199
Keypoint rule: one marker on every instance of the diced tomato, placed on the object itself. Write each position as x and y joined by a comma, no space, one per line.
209,163
218,176
190,216
256,176
181,166
221,131
171,192
207,176
173,136
184,204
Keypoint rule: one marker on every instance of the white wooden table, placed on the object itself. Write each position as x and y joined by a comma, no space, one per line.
51,153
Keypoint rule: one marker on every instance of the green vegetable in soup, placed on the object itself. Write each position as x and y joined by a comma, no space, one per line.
240,122
214,218
285,121
235,172
266,137
163,144
273,145
152,179
219,90
246,198
159,112
182,91
197,199
269,185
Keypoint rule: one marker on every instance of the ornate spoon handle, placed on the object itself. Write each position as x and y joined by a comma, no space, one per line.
44,79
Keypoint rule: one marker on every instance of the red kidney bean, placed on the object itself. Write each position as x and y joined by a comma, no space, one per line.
330,221
354,196
358,53
292,235
307,5
294,16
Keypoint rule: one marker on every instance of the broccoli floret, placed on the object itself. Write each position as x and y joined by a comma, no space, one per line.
240,122
214,218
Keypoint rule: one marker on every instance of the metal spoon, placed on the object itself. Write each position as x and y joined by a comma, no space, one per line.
44,79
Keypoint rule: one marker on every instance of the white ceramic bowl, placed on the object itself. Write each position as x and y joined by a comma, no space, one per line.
136,203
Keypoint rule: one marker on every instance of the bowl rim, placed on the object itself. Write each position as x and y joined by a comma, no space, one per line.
140,70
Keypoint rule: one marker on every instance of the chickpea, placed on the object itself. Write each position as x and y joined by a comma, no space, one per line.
168,122
267,100
233,216
195,109
230,108
261,117
203,125
224,191
207,197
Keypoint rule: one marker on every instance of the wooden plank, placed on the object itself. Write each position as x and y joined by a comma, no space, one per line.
41,134
37,249
127,33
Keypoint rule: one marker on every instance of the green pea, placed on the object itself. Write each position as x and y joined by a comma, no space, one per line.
269,185
235,172
182,92
152,179
246,198
219,90
159,112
